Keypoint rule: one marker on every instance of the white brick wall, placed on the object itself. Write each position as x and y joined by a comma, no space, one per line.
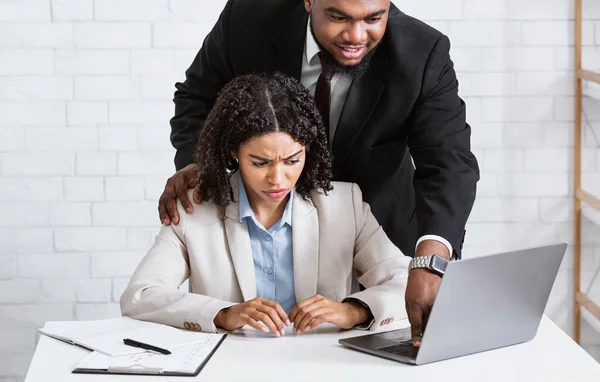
85,100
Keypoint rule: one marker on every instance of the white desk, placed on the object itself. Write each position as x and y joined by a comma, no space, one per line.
551,356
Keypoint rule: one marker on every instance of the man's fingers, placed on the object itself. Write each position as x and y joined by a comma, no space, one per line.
181,188
192,180
168,196
426,313
197,197
167,204
162,213
171,206
415,316
176,188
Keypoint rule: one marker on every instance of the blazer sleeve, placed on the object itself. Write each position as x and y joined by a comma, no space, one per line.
194,98
439,141
153,292
380,267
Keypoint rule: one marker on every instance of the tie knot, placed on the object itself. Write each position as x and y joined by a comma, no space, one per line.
326,68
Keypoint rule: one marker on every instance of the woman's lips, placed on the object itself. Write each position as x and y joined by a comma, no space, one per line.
276,194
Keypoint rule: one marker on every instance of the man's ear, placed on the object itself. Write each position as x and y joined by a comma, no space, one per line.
308,4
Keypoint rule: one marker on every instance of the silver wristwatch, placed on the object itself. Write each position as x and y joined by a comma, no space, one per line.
436,264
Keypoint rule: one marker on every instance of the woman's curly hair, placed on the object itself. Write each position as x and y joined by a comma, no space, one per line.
250,106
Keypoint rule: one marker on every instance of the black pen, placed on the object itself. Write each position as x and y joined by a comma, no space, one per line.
142,345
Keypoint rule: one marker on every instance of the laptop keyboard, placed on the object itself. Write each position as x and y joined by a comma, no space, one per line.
404,348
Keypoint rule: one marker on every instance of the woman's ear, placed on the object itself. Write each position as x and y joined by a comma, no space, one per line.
234,156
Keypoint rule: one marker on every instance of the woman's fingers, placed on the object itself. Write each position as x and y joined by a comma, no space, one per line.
253,323
318,321
267,321
306,315
282,314
301,305
277,314
316,310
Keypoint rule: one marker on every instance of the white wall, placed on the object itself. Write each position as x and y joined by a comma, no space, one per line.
85,99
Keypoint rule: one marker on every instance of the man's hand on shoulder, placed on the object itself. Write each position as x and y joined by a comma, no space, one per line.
422,288
176,188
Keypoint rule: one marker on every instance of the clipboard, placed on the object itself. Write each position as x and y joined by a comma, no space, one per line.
184,361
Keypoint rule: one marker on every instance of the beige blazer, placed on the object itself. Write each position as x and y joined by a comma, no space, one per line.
337,243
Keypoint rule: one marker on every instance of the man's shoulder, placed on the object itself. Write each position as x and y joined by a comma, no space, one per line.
263,9
399,21
407,32
259,4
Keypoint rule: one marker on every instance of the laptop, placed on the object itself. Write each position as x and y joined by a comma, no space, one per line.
483,303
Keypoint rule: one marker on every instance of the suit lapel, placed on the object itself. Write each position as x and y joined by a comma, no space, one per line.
240,249
362,98
305,242
288,43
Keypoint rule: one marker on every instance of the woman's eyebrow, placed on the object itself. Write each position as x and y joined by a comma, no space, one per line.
260,158
270,160
293,155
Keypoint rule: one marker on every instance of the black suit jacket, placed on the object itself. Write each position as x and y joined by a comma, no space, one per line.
406,104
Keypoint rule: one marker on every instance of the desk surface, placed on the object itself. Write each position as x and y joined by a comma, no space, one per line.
249,356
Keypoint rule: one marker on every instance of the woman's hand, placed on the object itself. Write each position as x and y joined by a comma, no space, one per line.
250,313
314,311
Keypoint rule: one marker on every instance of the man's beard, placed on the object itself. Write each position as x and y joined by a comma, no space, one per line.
347,71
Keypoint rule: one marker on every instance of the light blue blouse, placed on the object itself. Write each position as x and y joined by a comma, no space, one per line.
272,253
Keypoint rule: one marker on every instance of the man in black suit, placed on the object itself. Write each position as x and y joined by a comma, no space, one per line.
387,90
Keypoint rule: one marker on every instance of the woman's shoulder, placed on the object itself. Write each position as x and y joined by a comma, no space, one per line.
343,192
204,211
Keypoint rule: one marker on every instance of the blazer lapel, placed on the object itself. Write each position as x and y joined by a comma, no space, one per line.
288,43
240,249
362,98
305,242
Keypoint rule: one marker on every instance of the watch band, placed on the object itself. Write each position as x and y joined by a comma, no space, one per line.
419,262
435,264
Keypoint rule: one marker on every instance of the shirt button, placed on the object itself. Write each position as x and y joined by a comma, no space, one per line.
268,238
270,270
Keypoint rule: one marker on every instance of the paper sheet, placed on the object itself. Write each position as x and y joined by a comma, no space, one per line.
106,336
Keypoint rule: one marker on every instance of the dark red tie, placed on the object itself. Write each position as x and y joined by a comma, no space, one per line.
323,91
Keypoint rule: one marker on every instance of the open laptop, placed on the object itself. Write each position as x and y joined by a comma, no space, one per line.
483,303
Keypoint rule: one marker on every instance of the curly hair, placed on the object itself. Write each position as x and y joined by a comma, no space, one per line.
250,106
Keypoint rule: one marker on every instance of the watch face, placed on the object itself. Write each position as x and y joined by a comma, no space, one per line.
439,264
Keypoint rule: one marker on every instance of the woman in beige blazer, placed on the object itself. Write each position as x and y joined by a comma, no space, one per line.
274,243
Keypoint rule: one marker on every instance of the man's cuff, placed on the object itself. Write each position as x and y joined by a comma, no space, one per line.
436,238
183,158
